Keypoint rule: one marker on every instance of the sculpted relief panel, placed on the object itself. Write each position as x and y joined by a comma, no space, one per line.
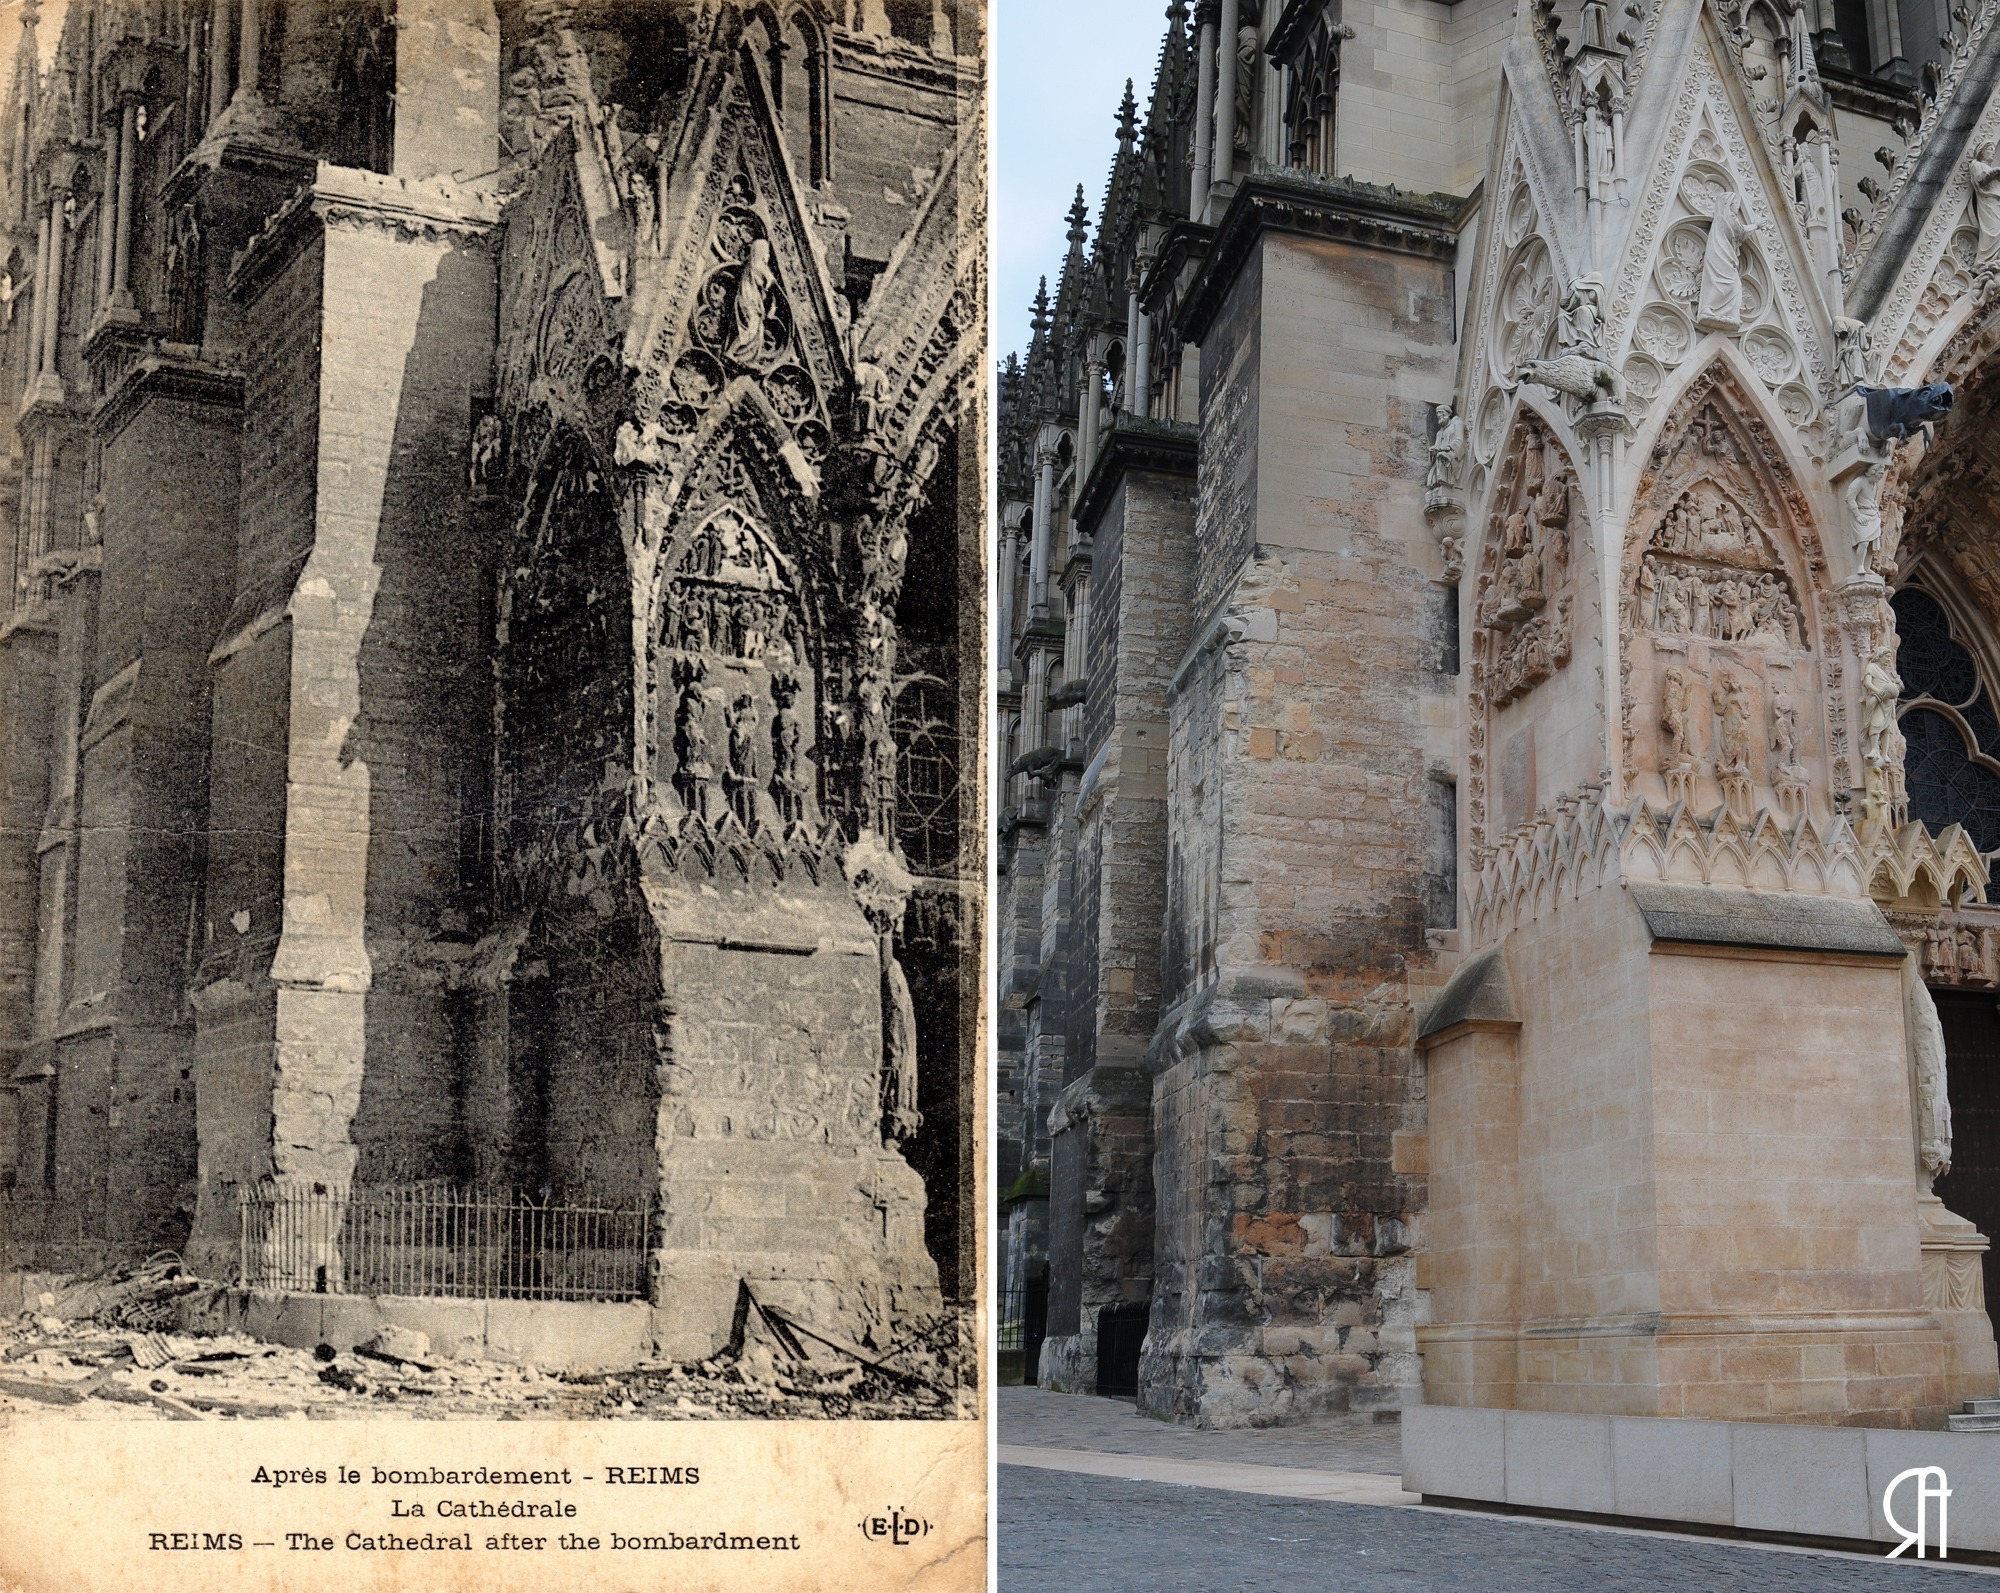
1724,695
1524,601
1522,611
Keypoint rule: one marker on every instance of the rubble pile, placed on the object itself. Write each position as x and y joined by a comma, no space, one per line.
105,1348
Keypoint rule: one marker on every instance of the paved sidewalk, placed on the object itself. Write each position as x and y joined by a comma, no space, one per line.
1068,1533
1043,1420
1286,1482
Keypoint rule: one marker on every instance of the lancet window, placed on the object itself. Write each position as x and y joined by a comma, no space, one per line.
1951,761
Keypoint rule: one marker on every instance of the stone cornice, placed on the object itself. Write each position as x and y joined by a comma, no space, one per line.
1337,208
1163,447
1044,634
341,196
1868,96
161,376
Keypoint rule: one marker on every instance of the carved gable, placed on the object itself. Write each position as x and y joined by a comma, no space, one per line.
728,284
1710,254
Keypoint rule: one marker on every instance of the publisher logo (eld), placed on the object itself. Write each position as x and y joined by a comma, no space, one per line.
900,1528
1931,1488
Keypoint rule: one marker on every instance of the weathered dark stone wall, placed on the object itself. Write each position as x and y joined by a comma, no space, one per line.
1285,1284
1101,1236
169,526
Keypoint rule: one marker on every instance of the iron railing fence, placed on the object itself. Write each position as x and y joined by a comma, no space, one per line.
1009,1329
440,1241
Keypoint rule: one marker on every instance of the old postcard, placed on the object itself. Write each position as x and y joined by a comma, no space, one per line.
492,916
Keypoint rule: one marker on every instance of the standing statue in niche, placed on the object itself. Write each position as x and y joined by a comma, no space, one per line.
1676,692
1732,707
1784,732
1720,306
1984,171
1881,687
485,469
752,305
743,760
900,1117
789,783
694,774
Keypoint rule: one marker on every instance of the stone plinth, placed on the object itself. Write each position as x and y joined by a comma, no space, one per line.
1683,1186
772,1166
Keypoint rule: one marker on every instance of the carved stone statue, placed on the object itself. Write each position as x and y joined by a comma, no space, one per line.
752,304
1720,305
1675,692
900,1117
1851,345
1582,327
742,778
1249,56
1447,448
1784,732
1732,707
1894,749
1984,170
1864,509
1927,1064
1880,689
789,782
694,774
485,467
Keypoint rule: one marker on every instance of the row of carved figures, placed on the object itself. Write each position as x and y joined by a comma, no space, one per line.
1730,699
762,778
1721,606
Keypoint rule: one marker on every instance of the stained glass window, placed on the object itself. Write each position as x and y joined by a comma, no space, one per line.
1952,765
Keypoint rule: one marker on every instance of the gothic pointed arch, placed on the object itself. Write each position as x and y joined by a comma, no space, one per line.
564,710
1733,680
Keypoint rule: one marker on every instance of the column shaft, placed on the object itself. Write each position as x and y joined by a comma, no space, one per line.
52,326
1038,549
250,59
1225,96
1204,118
107,223
121,260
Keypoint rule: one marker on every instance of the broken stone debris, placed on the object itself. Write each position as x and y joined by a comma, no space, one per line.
102,1348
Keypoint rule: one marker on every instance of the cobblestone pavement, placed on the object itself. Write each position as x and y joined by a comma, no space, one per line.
1114,1427
1064,1533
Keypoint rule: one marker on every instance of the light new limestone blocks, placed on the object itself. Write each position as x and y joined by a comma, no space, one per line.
1824,1482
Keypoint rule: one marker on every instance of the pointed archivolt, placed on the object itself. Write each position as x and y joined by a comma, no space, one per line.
1731,696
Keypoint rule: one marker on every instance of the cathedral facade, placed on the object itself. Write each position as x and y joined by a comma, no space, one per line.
491,535
1499,772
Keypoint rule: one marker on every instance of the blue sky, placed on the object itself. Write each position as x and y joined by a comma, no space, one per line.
1061,67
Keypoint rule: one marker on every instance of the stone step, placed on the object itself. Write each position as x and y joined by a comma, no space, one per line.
1982,1407
1973,1424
